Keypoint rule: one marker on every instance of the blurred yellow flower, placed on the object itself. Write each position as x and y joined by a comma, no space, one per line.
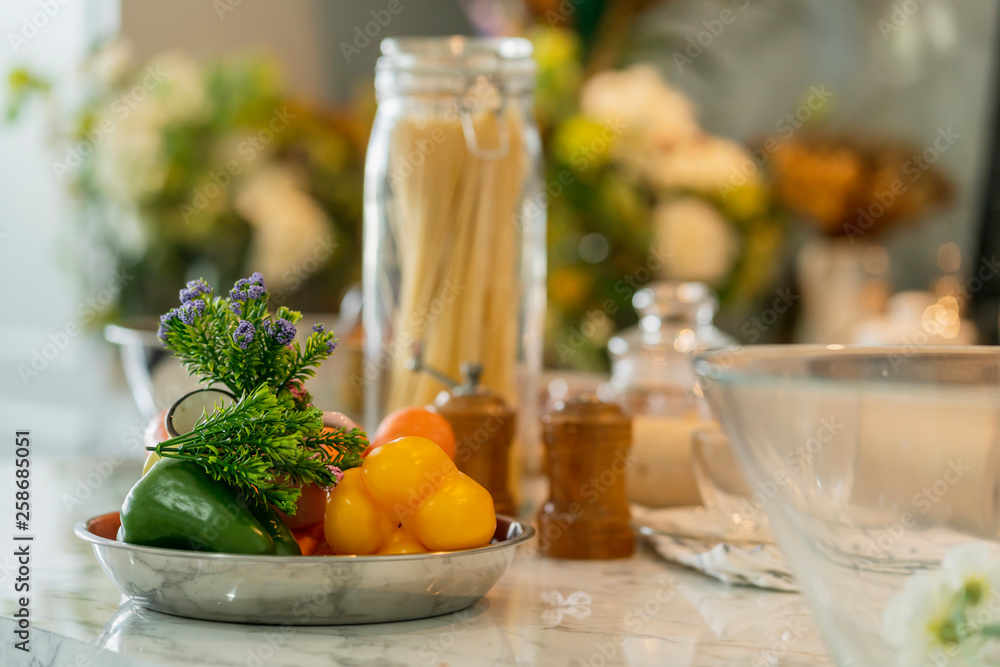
554,47
582,143
569,286
747,201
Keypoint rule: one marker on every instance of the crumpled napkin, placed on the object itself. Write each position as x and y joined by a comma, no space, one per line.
686,535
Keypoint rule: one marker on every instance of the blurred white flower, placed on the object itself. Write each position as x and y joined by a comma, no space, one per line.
109,64
912,620
699,242
937,618
703,163
129,156
180,93
129,164
975,563
288,223
640,101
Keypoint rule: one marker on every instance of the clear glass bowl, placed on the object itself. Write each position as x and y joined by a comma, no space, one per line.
724,491
872,464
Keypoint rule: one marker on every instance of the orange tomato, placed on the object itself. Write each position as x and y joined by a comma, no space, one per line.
415,421
400,474
354,524
401,542
458,515
310,508
407,497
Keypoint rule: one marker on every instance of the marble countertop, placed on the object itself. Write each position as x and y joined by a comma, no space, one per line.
639,611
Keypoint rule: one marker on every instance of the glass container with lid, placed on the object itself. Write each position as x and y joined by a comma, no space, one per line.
652,378
651,362
454,238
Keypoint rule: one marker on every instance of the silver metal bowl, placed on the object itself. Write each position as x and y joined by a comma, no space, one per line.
302,590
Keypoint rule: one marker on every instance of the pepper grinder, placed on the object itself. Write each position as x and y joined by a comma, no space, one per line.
484,427
587,514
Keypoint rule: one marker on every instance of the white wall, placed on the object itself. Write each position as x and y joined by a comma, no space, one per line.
56,374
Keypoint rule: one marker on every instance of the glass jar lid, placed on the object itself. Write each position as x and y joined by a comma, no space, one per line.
674,318
453,65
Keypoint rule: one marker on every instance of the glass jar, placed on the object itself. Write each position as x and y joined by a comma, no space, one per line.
653,380
454,232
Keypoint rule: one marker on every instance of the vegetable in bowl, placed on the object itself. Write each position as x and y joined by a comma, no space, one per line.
244,460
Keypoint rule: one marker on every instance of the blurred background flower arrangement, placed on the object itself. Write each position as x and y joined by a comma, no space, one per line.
637,191
185,167
208,168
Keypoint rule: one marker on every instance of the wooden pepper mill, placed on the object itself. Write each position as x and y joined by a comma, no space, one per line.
587,515
484,428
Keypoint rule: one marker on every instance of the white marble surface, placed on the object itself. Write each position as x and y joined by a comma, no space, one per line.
640,611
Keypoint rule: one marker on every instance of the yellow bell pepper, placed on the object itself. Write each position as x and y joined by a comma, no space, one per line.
408,497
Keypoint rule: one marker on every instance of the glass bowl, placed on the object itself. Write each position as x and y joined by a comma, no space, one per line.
724,491
878,470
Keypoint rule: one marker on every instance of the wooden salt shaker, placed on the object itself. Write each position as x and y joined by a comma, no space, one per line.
484,428
587,514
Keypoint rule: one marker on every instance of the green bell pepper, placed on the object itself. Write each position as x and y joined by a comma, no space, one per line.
285,543
177,505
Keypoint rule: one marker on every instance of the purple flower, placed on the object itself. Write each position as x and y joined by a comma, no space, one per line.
236,307
169,316
190,310
248,288
244,334
239,291
331,345
281,330
318,328
165,319
194,289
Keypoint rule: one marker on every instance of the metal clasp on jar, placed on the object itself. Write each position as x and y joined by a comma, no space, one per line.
482,93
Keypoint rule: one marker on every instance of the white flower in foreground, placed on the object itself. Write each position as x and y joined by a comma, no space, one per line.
914,620
699,242
640,101
974,567
950,617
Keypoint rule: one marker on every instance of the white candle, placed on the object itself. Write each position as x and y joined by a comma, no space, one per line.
660,473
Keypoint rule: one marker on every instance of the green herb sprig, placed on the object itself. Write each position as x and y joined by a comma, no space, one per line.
257,445
272,439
